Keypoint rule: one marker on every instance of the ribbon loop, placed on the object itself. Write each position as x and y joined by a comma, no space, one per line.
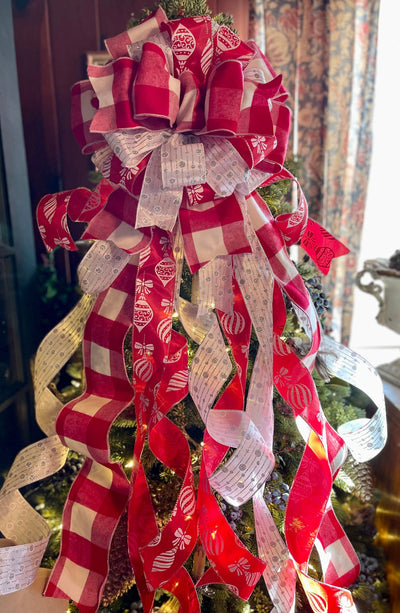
156,92
248,468
364,437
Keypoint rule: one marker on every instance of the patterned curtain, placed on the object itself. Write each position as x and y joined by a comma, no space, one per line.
326,51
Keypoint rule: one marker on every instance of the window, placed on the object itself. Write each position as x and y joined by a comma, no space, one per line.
381,233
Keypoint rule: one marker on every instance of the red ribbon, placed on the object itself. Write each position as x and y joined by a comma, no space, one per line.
321,246
160,379
223,549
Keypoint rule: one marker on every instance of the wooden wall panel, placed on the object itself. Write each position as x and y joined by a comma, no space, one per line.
41,141
239,9
72,32
114,21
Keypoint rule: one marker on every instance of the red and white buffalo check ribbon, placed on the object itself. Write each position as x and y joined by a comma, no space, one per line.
180,169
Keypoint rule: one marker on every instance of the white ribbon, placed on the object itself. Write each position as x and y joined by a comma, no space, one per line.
364,437
255,277
101,266
251,432
279,574
240,477
213,286
177,161
19,522
210,367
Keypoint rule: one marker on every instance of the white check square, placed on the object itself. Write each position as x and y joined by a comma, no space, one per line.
112,304
73,580
82,520
209,241
100,359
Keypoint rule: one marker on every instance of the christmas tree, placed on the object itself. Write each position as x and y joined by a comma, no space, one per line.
162,456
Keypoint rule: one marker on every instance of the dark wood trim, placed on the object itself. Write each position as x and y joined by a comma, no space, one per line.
18,262
51,122
16,175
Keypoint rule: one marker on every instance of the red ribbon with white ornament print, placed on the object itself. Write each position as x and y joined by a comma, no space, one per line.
160,375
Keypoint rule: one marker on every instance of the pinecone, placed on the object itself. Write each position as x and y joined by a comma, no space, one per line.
120,577
361,475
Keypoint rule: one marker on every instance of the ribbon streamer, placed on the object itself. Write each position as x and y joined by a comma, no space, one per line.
364,437
18,521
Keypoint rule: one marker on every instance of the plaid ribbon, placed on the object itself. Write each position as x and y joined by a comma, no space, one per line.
99,494
164,79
